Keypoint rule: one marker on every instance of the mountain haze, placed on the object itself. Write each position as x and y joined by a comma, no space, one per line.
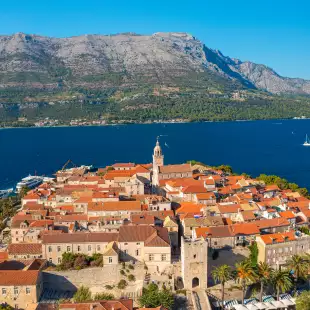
95,61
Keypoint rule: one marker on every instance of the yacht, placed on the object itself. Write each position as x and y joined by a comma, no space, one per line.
4,193
307,142
30,182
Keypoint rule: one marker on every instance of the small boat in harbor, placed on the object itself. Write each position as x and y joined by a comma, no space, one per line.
307,142
4,193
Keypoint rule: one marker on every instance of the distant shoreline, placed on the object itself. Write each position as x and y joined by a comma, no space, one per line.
155,122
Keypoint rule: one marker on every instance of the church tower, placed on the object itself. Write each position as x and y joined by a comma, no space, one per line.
158,160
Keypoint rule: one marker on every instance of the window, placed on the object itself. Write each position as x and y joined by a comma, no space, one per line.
110,260
291,249
137,252
27,290
138,243
125,251
194,256
79,248
58,249
50,260
286,250
50,249
125,243
59,260
89,248
15,290
3,291
98,247
269,252
163,257
68,249
151,257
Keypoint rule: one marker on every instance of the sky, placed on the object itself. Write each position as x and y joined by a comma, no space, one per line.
272,32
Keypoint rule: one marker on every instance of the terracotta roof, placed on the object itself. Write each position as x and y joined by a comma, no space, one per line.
278,238
229,208
141,169
123,304
269,223
41,223
142,219
245,229
175,168
209,181
71,218
31,196
123,165
151,236
271,188
287,214
203,221
205,196
248,215
194,189
80,237
25,249
18,277
189,207
3,256
214,232
115,206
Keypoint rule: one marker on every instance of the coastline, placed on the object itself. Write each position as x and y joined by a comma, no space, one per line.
152,123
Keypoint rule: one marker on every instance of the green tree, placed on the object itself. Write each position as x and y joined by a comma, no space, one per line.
5,307
300,266
152,297
131,278
253,254
282,281
23,191
122,284
264,272
245,275
303,301
103,296
82,294
222,274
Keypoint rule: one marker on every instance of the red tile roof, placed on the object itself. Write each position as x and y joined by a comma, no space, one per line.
25,249
278,238
287,214
18,277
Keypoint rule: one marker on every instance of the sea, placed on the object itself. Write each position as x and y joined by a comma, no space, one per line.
254,147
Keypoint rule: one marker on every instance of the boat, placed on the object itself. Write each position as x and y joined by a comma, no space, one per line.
30,182
4,193
307,142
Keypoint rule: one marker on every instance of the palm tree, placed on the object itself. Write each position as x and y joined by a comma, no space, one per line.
300,266
222,274
282,281
264,272
245,274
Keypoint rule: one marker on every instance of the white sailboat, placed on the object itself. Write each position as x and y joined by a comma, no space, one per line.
307,142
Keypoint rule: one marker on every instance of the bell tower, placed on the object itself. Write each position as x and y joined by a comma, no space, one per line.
158,160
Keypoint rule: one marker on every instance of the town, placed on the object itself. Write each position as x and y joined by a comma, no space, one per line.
156,236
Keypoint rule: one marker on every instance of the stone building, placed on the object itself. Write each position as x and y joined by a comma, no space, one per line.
194,263
21,283
163,172
276,249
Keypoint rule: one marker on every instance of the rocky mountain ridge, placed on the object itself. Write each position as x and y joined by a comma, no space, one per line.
128,59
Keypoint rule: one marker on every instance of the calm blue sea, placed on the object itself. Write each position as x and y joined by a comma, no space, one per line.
254,147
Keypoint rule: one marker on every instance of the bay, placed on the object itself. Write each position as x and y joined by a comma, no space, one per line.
254,147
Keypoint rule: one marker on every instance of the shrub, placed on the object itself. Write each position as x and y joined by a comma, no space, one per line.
104,296
123,265
122,284
80,262
131,267
122,272
109,287
82,294
131,278
181,292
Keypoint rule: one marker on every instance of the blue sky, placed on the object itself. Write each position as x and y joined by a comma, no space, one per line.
272,32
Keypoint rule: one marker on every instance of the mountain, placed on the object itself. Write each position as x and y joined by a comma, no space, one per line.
128,60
